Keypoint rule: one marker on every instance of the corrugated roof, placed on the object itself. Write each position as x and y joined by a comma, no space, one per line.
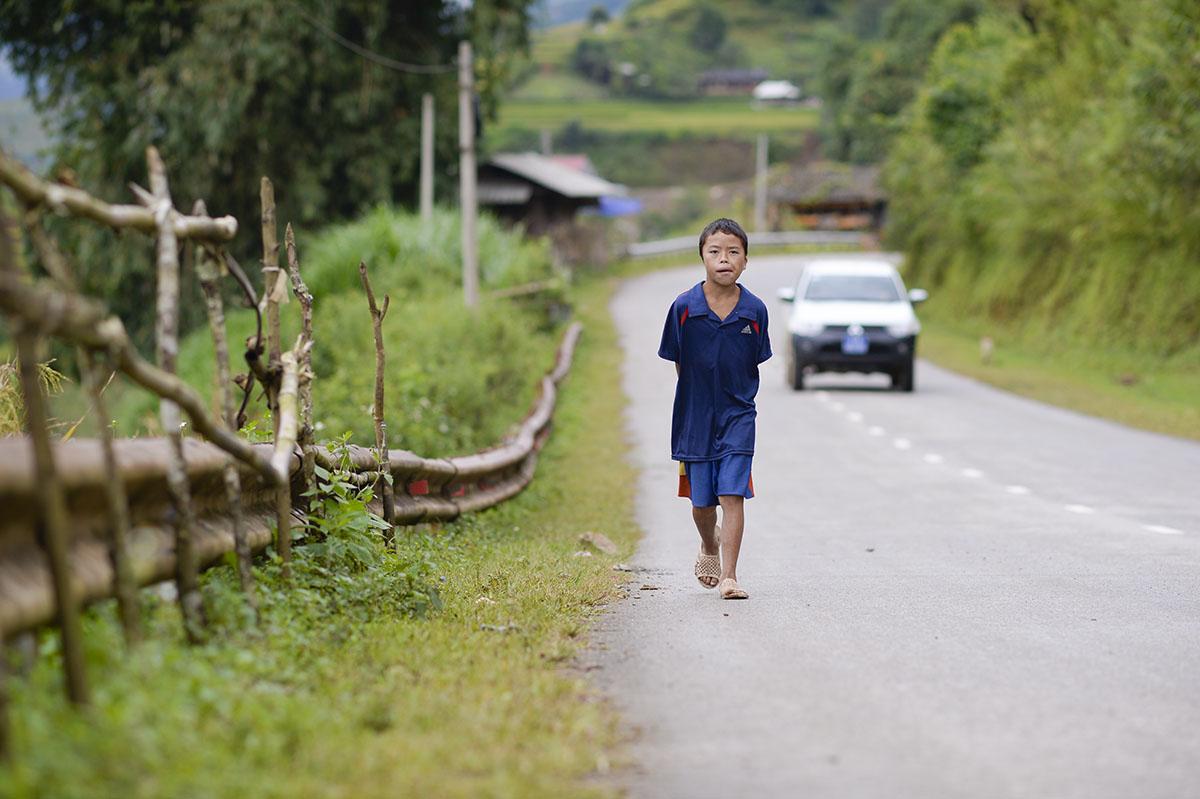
556,177
826,181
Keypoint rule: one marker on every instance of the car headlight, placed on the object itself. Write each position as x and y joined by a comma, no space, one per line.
805,327
904,329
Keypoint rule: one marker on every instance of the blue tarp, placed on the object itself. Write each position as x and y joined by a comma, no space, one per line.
617,206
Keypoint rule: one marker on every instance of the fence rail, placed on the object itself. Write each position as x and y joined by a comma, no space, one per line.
426,489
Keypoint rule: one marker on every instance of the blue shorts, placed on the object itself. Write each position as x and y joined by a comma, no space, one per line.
704,481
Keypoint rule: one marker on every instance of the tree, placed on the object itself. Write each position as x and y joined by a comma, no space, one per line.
313,93
598,16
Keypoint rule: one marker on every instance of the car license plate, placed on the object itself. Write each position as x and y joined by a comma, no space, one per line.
855,344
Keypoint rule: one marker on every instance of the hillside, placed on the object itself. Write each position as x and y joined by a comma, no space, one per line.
782,39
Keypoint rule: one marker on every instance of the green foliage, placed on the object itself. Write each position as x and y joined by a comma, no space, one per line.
1047,175
866,82
345,531
455,381
235,90
360,686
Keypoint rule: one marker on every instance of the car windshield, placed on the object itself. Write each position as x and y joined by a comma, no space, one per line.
852,288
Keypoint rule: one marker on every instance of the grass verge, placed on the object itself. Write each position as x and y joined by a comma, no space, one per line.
1136,390
444,670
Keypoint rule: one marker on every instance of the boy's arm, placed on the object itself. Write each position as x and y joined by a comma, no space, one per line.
764,344
668,347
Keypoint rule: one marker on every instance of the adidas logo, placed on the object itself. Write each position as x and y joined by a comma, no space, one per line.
747,330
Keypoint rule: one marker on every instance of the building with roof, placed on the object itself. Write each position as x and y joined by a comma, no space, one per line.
539,191
824,195
730,82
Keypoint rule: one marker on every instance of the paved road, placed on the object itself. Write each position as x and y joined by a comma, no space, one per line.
955,593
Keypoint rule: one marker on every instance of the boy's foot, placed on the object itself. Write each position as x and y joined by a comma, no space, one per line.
708,567
731,590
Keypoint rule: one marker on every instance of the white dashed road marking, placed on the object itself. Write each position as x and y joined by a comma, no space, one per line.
974,474
1080,509
934,458
1163,529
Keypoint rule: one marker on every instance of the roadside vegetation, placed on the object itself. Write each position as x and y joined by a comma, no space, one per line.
455,382
1044,189
444,668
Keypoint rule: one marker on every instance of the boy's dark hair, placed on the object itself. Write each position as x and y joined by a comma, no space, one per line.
724,225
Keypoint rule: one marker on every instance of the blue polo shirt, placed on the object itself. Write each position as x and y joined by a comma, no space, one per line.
718,374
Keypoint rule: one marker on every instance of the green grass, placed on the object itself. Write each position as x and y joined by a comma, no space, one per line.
1149,393
366,696
553,86
725,117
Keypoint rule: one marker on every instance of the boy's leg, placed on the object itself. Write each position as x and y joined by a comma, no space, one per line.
706,522
733,522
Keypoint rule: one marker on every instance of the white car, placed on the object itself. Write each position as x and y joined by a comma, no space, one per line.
852,316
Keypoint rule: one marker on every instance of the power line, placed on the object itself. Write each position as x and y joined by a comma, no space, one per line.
371,55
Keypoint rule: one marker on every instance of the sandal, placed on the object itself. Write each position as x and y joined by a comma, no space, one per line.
708,567
731,590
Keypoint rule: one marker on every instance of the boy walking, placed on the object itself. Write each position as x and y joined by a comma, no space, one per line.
716,333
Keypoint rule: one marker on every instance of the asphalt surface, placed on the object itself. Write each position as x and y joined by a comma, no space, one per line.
954,593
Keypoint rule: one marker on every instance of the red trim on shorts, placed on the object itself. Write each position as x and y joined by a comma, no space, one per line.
685,485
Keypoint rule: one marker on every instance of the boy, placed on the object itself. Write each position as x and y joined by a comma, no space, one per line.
716,333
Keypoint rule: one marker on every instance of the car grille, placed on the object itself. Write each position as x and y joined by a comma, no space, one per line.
866,328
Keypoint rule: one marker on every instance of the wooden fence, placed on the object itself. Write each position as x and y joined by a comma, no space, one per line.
87,520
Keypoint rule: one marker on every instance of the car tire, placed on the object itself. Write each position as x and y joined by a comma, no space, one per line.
795,374
903,379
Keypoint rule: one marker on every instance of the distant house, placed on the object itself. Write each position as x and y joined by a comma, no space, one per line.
824,195
538,191
777,91
730,82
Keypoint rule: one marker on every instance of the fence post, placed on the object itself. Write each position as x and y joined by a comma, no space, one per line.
381,446
272,295
52,510
191,603
427,121
466,174
208,270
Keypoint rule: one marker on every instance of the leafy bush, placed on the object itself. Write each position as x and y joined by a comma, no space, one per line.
455,381
1046,176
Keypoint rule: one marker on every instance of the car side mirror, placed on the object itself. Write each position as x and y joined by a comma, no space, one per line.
788,294
916,296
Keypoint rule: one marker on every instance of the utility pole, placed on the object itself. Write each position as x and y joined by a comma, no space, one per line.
466,174
426,158
760,185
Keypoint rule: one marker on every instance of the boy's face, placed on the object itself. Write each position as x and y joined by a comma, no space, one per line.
724,258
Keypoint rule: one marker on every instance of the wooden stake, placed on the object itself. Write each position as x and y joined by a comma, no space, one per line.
273,288
187,579
381,447
52,506
208,270
95,379
307,431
